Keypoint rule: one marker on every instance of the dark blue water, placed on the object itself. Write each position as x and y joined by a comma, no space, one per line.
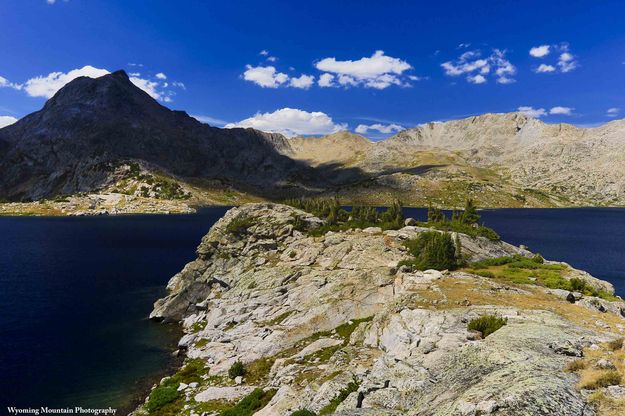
74,297
591,239
75,293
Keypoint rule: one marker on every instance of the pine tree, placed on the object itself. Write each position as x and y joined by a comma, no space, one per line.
470,214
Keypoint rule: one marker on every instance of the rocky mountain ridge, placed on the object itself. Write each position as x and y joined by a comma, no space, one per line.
334,325
74,146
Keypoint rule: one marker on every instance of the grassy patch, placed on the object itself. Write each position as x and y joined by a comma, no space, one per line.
600,378
198,326
523,270
486,324
251,403
165,400
257,371
303,412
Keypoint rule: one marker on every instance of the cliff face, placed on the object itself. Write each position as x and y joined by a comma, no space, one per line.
332,324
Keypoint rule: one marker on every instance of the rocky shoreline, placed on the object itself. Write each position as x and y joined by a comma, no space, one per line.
335,325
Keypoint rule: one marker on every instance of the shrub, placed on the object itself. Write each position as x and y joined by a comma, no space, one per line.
248,405
161,396
432,250
615,344
575,365
237,369
303,412
603,379
486,324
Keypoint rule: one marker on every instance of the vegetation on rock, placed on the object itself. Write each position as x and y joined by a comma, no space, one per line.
524,270
465,222
338,219
431,250
486,324
236,370
303,412
251,403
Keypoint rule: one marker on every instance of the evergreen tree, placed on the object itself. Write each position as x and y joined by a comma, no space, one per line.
470,214
436,214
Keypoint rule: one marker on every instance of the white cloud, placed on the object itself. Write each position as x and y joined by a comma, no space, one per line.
567,62
272,58
613,112
6,121
151,87
179,84
564,111
476,79
326,80
303,82
476,68
545,68
540,51
264,52
378,71
291,122
265,76
47,86
209,120
4,83
532,112
382,128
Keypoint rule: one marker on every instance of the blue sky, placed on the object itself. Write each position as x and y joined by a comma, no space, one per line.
328,65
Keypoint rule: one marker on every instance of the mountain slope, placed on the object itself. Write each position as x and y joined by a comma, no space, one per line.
68,146
107,138
567,164
342,147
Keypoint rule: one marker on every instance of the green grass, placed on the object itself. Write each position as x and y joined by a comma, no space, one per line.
523,270
161,396
165,400
257,371
303,412
198,326
486,324
251,403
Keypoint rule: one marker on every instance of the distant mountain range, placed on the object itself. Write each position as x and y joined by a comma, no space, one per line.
105,135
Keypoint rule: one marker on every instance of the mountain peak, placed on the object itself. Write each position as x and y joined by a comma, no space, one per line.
120,73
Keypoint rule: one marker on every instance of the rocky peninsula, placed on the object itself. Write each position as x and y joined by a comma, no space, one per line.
280,320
